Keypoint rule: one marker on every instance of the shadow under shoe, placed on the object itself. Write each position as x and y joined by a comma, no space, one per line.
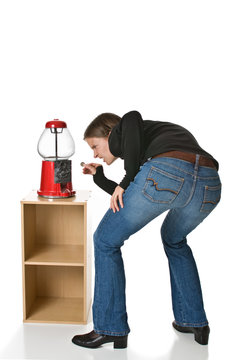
94,340
201,334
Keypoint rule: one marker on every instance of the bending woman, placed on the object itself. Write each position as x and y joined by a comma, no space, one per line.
166,170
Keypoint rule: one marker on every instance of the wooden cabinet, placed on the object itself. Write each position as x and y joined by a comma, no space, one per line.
56,258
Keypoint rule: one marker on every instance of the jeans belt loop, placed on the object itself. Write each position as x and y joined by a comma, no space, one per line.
197,162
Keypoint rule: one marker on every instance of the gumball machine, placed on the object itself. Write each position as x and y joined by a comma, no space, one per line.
56,145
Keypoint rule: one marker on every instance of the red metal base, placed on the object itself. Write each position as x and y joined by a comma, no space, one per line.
49,188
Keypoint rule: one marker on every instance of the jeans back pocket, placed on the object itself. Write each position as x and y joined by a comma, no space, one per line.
161,186
212,196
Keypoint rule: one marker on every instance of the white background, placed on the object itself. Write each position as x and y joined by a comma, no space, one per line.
174,61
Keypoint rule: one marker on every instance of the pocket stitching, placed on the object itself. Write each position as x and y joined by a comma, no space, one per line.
210,188
162,189
178,178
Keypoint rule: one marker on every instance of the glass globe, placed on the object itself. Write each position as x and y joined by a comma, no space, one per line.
56,142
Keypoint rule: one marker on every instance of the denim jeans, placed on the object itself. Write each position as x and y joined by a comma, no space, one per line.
189,193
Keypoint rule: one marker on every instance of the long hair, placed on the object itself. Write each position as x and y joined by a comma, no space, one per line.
101,125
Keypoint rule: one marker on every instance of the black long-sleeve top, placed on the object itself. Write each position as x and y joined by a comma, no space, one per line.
136,140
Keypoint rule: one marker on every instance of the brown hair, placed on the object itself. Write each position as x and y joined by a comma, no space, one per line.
101,125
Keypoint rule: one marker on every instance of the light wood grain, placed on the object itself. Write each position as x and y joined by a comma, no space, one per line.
56,257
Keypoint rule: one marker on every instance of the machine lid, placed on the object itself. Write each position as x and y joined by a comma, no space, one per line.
55,124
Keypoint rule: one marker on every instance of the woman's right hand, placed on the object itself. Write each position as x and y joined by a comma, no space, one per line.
90,169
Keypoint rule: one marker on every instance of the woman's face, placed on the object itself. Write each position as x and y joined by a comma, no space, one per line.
100,149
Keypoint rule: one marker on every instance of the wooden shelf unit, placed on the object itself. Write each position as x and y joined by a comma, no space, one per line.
56,258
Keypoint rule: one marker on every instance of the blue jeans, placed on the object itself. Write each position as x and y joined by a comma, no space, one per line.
189,193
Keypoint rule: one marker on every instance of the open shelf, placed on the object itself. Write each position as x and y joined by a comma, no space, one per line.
52,225
43,254
56,310
54,293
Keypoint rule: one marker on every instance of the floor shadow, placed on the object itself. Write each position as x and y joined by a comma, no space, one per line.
41,341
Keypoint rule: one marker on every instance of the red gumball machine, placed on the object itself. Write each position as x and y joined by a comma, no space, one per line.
56,145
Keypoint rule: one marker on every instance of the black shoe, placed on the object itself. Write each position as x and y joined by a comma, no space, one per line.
94,340
201,334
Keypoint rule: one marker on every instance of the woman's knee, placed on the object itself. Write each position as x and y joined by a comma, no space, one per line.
166,240
172,239
107,240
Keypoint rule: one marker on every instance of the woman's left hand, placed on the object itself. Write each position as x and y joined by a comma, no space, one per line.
117,197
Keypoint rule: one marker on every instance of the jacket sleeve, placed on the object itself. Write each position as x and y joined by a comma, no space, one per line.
132,145
103,182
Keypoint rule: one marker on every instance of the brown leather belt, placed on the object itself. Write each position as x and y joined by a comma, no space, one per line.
203,160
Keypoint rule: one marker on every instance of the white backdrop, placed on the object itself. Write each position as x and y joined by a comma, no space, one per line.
171,60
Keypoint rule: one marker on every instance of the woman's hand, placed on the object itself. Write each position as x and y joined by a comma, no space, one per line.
90,169
117,196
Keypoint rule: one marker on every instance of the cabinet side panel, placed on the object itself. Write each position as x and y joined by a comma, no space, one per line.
30,288
23,267
28,241
88,259
29,229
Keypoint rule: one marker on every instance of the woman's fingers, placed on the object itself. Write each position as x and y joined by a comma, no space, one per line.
121,199
115,203
112,204
89,169
94,164
117,199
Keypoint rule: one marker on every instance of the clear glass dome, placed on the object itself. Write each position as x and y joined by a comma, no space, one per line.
56,144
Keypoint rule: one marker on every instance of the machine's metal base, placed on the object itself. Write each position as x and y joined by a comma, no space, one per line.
56,197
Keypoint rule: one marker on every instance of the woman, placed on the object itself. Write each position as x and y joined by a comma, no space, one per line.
166,170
